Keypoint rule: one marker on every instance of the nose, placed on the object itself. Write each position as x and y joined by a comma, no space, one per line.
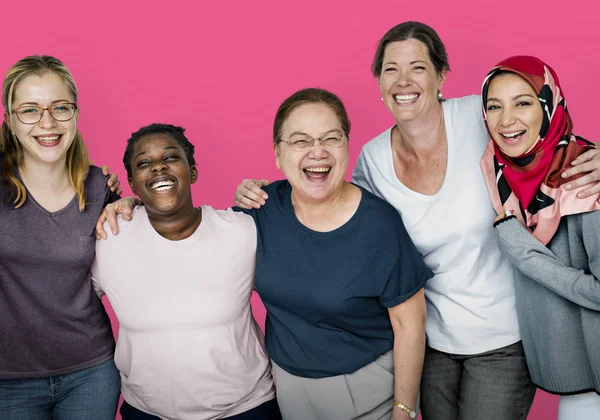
317,151
403,79
159,166
47,121
507,117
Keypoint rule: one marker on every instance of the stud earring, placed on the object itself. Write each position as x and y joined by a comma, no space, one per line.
440,96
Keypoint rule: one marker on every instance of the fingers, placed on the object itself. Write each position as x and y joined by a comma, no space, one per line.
585,162
110,212
105,170
120,191
262,182
587,156
249,194
113,182
245,202
100,232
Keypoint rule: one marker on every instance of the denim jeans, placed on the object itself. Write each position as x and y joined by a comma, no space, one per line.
266,411
91,393
494,385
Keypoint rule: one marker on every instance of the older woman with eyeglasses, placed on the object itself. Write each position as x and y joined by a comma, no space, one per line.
56,343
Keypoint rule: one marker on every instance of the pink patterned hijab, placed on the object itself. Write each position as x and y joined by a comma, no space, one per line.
531,184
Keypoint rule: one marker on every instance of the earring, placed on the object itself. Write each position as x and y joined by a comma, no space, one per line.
382,98
440,96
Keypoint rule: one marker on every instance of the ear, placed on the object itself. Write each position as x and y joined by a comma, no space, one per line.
442,79
194,173
131,186
77,114
7,120
276,150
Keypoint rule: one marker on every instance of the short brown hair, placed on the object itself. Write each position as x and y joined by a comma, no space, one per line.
309,96
413,30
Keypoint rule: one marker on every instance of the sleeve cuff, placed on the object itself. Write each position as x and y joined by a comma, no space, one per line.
504,220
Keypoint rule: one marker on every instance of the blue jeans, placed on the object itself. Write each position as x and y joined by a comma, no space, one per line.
494,385
91,393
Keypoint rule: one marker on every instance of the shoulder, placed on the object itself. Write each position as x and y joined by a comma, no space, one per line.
383,213
278,188
226,217
95,184
470,102
378,144
133,228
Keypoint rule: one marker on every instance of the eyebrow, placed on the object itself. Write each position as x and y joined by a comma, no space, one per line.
51,103
327,132
411,63
515,98
165,148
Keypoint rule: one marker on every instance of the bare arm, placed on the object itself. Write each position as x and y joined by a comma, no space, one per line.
408,322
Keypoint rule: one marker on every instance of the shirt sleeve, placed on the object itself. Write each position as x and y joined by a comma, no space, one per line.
409,273
360,175
537,262
96,280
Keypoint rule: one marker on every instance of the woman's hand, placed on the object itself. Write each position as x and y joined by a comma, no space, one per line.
249,194
113,181
588,163
503,215
123,206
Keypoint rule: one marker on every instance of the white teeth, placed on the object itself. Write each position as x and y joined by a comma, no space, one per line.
162,185
406,98
48,139
327,169
513,135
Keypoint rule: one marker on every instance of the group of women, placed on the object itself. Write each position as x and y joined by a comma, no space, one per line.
395,292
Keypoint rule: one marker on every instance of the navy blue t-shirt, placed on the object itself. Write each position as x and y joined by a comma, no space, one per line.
327,293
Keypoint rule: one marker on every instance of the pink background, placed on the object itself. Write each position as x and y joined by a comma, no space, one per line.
221,68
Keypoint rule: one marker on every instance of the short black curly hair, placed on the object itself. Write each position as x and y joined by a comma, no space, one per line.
175,132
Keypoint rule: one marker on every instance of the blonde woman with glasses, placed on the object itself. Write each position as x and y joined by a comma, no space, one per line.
56,344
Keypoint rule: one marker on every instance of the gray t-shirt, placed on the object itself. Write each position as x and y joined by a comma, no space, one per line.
51,321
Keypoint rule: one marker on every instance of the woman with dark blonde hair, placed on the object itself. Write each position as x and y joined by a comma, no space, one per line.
56,345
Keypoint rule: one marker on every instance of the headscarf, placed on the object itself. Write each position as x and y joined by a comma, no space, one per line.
531,184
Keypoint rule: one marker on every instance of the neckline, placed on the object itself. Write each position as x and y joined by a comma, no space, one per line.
30,196
198,233
289,208
449,156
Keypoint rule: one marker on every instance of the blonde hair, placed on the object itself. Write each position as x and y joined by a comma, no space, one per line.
77,156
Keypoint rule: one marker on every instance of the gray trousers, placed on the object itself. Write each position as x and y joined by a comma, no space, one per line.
367,394
494,385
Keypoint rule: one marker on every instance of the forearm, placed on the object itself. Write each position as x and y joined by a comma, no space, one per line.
409,353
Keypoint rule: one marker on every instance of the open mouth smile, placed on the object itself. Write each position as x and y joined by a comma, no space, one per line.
48,141
406,98
317,173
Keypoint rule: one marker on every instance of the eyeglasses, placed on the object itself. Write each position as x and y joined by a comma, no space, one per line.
303,142
32,114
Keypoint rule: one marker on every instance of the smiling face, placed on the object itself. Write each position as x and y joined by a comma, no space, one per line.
161,175
409,83
317,173
48,140
514,114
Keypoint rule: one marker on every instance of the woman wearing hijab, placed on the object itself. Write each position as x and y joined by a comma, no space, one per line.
551,236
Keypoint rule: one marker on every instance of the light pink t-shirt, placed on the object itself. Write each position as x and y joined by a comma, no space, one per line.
188,347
